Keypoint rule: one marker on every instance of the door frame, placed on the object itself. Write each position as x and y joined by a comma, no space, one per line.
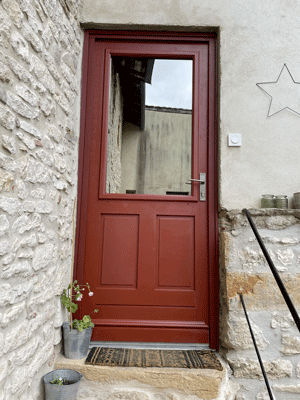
209,38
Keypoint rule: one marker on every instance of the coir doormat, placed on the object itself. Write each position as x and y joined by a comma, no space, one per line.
153,358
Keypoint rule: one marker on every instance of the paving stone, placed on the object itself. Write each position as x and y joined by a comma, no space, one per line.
22,189
24,75
62,102
248,368
54,133
47,36
32,171
4,247
51,65
9,144
48,106
43,256
26,140
19,269
27,95
5,73
10,205
11,314
14,11
5,27
130,395
32,38
6,179
38,193
3,369
287,388
21,108
4,225
20,46
239,336
7,163
44,207
290,344
45,157
16,338
7,118
42,74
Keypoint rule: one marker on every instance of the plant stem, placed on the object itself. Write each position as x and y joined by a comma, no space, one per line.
72,265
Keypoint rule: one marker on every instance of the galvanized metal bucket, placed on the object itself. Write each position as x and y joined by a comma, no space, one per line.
296,198
76,343
281,201
62,392
268,201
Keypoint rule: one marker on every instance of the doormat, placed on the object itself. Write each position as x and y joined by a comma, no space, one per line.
104,356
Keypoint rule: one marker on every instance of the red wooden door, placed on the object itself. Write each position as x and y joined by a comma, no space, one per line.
149,258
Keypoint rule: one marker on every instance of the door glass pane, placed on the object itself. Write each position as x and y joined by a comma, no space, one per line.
149,149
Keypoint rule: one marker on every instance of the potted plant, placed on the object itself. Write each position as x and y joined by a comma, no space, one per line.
62,384
76,333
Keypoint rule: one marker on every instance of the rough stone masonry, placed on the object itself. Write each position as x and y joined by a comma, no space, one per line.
40,73
244,269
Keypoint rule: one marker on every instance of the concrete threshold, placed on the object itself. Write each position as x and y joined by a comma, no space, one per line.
149,345
131,383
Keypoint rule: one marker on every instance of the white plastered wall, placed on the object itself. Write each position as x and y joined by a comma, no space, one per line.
256,38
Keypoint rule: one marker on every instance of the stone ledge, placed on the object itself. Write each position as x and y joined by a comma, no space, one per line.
269,212
151,383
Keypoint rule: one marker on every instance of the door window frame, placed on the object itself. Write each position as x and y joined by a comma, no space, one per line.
90,38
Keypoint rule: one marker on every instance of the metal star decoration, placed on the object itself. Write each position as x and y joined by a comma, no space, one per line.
284,93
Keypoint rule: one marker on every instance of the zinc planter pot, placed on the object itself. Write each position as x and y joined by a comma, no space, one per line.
296,198
62,392
76,343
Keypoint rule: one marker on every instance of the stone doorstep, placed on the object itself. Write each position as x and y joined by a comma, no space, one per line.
146,383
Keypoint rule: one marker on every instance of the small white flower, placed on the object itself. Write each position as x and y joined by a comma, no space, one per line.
80,297
91,294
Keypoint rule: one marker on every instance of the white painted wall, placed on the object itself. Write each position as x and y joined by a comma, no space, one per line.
256,38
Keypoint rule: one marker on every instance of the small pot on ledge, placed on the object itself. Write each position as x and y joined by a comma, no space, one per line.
296,198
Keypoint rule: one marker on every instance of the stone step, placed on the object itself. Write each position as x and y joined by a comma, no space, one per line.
130,383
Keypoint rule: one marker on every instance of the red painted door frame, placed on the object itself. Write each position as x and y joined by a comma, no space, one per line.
212,203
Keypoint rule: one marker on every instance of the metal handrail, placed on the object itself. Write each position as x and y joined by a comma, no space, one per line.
274,271
283,292
257,351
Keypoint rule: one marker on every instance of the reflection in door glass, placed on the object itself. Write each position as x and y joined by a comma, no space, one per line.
149,149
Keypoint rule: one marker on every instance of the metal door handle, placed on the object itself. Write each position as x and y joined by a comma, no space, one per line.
202,186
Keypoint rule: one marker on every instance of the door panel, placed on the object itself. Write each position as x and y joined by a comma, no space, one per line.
176,252
146,256
120,250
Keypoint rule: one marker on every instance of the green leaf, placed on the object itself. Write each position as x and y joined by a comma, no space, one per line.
65,301
80,326
74,307
86,319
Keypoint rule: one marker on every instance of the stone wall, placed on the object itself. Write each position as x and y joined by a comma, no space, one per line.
114,138
244,269
40,72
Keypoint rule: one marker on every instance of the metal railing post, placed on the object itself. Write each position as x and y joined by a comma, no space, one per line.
257,351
